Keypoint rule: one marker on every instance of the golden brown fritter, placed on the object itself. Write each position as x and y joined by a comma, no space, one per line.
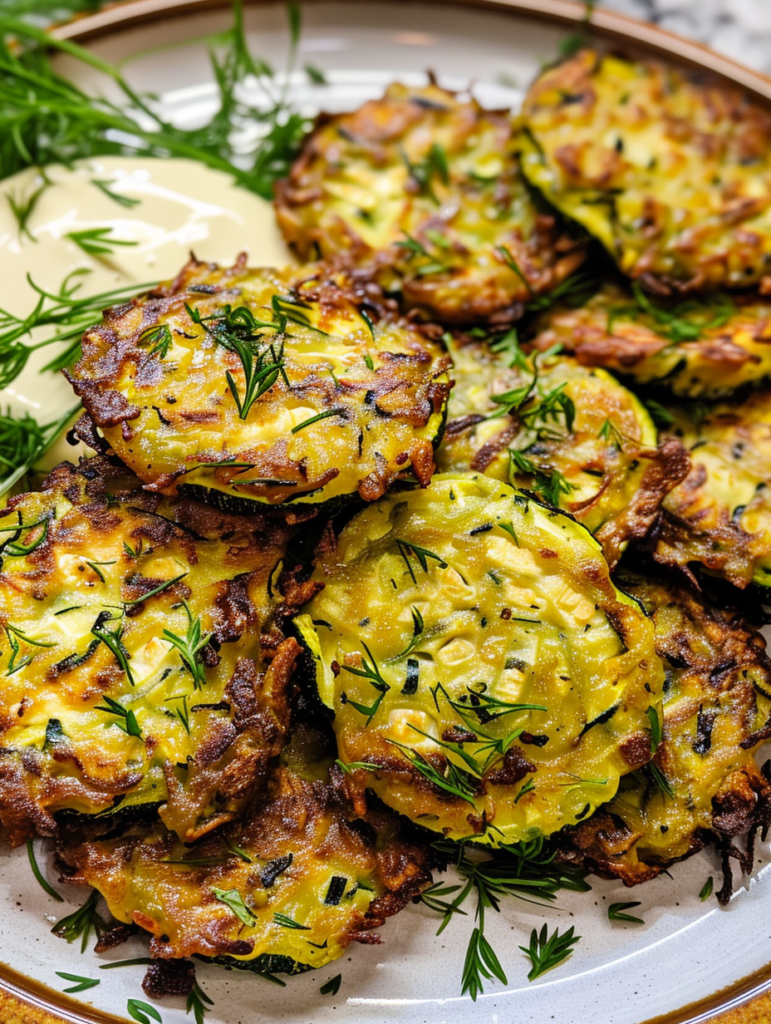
705,786
131,665
264,387
573,435
427,189
479,659
671,173
283,890
719,517
698,348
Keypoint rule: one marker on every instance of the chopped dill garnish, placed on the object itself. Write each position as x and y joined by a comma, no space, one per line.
546,951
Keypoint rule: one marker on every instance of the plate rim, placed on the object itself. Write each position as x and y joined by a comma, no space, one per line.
610,26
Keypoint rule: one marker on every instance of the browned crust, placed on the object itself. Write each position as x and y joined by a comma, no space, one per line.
379,132
722,127
713,651
669,464
304,817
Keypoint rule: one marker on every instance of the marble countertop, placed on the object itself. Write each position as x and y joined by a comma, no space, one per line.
738,28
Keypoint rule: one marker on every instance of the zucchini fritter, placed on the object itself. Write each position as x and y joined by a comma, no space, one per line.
130,658
716,711
480,663
431,187
574,435
698,347
282,890
719,517
264,386
672,174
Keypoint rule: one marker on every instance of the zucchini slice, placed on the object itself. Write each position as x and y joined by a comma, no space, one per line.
719,517
699,347
264,387
427,189
283,890
481,665
715,711
130,657
573,435
669,171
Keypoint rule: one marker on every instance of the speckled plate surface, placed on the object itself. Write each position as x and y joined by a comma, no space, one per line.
687,953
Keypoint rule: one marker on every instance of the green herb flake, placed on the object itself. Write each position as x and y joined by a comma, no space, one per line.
547,951
80,984
141,1012
288,922
42,882
331,987
233,899
617,912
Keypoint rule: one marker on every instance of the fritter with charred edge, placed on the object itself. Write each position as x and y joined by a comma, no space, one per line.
260,387
480,663
707,786
427,189
574,435
697,347
131,665
719,517
671,173
283,890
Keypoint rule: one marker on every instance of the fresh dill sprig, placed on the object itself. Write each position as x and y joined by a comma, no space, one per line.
408,550
524,871
617,912
117,197
61,317
507,345
191,646
44,884
141,1012
423,172
47,119
23,441
682,321
262,361
289,922
125,717
96,241
657,727
198,1003
370,671
659,779
81,923
549,483
452,780
418,628
512,264
16,637
23,208
481,963
546,951
415,248
80,983
111,638
181,711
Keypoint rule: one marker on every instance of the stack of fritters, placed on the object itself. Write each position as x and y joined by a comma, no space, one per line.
265,652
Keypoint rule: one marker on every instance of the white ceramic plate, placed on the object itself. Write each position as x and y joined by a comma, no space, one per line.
619,974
